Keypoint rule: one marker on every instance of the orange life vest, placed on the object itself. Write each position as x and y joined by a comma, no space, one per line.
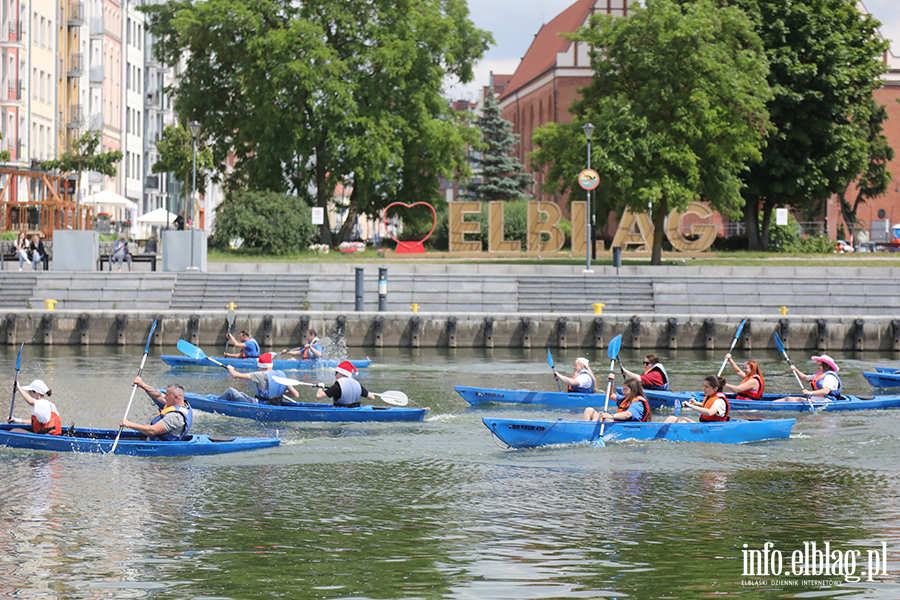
708,403
51,427
624,407
753,394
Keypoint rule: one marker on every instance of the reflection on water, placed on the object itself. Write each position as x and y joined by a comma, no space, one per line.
436,509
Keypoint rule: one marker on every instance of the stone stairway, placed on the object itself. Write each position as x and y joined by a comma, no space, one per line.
576,294
16,289
83,290
257,291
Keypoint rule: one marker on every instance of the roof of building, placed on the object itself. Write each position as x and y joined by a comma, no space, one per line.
541,55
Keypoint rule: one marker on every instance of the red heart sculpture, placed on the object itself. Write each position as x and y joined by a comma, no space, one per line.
410,247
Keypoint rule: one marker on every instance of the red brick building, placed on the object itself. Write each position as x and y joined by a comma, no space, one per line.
550,74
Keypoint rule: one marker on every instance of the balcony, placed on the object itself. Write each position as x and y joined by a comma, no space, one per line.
11,33
76,65
76,14
13,93
98,27
97,75
76,116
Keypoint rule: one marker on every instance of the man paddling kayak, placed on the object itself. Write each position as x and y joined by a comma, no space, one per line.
44,415
311,350
346,391
249,347
268,391
173,421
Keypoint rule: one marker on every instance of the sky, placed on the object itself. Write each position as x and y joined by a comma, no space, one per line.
514,24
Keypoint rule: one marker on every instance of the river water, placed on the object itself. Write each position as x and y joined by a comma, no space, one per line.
437,509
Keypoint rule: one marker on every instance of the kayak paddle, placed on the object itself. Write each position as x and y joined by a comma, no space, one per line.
391,397
134,385
188,349
229,317
550,362
16,381
324,342
612,351
780,346
733,342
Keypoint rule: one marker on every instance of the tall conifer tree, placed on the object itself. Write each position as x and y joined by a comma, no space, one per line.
503,177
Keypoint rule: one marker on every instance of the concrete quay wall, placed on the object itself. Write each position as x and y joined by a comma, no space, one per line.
277,330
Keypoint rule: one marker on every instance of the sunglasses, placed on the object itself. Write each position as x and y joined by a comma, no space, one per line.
646,362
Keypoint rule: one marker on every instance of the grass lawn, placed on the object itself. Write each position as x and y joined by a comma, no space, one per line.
721,259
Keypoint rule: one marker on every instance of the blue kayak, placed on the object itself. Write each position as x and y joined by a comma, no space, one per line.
768,402
532,433
659,399
182,362
478,395
303,411
132,443
883,378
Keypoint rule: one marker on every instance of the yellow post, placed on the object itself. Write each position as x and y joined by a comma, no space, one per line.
415,307
783,310
231,306
49,304
598,308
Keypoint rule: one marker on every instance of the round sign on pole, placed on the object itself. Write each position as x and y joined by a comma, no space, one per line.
588,179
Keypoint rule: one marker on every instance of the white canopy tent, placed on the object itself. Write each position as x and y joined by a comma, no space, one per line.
109,198
160,216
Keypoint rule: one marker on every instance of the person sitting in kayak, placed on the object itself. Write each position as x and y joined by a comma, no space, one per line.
346,391
654,377
752,385
825,383
715,406
44,415
632,407
312,350
249,347
582,380
173,422
268,391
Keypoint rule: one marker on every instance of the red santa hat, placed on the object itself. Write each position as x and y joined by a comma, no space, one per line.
264,361
346,369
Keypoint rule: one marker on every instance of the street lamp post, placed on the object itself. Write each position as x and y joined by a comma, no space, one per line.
195,131
588,131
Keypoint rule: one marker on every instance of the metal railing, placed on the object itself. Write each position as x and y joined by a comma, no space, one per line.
76,116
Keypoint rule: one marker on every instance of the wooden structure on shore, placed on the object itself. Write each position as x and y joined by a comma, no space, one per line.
39,202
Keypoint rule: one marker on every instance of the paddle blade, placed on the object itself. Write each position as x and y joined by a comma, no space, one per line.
188,349
599,443
150,337
549,358
393,397
778,343
740,329
615,345
229,317
285,381
19,358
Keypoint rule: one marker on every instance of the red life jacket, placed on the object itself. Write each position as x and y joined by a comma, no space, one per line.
708,402
624,407
753,394
51,427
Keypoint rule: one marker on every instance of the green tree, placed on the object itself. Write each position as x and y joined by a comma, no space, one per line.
274,223
84,157
306,95
826,60
678,100
503,177
875,178
176,155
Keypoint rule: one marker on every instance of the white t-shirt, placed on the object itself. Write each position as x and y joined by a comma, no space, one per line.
583,380
829,381
720,407
42,409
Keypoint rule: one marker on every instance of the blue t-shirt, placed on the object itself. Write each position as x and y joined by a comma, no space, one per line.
636,408
251,349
